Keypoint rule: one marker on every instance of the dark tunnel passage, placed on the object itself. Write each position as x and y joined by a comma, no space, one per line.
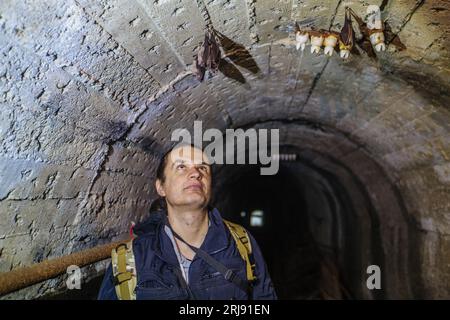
275,211
324,219
304,220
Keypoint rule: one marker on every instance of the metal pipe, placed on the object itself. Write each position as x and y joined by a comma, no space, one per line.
26,276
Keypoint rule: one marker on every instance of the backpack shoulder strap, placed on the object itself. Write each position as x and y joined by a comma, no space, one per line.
123,262
244,246
124,271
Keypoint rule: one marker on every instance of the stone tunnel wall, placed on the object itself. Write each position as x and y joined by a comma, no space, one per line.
91,90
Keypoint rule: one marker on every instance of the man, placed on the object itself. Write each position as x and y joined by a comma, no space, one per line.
187,251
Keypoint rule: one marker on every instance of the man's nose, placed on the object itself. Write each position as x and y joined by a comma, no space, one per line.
195,173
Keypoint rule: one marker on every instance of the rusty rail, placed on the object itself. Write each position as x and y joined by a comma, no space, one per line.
26,276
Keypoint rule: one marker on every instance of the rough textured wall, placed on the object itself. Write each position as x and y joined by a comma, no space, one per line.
91,90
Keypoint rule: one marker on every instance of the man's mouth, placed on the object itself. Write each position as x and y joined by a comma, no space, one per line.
195,186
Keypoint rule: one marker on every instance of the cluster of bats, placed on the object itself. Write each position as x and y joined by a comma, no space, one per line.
373,36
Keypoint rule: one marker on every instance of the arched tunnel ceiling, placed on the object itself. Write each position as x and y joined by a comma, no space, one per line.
90,92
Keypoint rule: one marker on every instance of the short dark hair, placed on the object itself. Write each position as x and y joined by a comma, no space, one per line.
162,166
163,161
160,202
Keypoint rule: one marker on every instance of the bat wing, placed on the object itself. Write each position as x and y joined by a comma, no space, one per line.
366,46
198,70
393,38
202,54
347,33
214,53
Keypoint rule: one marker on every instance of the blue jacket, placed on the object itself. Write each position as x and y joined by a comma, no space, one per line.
156,262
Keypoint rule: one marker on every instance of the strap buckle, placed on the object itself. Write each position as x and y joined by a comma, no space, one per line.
122,277
229,275
120,245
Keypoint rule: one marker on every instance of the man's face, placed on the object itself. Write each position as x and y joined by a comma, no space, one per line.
187,179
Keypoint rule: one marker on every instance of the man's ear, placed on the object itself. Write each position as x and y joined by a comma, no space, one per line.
160,188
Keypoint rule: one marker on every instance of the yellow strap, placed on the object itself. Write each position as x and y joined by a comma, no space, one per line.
121,258
123,275
244,246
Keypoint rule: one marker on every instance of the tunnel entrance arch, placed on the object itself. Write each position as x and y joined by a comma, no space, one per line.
321,221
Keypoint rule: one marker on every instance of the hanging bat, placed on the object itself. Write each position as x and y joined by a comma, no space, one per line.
208,56
301,37
364,43
346,37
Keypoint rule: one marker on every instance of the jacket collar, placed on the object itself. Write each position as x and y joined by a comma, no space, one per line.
216,240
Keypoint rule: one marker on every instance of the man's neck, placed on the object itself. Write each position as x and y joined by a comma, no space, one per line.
191,225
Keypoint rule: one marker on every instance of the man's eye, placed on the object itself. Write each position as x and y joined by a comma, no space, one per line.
181,166
204,168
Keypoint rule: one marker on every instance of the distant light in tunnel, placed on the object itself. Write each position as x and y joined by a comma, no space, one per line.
256,218
243,214
285,157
